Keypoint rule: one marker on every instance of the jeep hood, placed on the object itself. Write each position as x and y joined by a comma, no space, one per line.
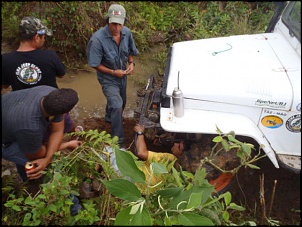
241,70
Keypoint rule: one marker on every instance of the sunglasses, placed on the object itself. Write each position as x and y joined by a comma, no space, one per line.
41,32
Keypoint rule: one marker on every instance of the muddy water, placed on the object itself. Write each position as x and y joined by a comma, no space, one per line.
92,102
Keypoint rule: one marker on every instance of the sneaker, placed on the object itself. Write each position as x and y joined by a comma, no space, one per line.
76,207
79,128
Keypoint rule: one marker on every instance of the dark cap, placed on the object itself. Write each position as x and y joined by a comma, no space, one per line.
32,26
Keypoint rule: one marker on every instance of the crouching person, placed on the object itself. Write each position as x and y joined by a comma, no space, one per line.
26,115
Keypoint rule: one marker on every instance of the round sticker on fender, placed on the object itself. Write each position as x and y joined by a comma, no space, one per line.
293,124
272,121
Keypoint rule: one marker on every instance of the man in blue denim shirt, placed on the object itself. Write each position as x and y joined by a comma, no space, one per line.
110,51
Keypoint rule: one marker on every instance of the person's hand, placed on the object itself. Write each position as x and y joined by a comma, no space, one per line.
120,73
130,69
139,128
40,165
73,144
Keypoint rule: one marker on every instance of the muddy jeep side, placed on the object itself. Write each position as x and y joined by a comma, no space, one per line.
249,84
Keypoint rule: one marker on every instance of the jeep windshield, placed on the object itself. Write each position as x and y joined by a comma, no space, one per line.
292,19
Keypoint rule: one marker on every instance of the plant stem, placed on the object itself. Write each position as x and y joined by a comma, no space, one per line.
272,198
262,199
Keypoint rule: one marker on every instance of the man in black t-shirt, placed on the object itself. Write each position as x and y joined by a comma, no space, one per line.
30,65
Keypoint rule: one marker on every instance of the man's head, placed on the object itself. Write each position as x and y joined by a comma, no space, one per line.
60,101
116,14
179,147
31,26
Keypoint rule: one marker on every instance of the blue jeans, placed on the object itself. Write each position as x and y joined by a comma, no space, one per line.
116,101
12,153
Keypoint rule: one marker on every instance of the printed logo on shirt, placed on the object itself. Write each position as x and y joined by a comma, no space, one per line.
29,73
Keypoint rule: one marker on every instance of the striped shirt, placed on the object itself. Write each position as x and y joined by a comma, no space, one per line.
22,118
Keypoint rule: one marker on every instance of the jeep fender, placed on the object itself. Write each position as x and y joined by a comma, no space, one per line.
209,120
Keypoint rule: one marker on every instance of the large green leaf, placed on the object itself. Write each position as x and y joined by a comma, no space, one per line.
185,196
123,189
170,192
194,200
158,168
124,218
141,219
128,167
190,219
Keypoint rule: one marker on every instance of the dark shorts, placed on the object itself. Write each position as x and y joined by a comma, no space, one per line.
67,127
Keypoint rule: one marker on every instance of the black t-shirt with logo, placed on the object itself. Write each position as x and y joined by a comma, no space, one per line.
27,69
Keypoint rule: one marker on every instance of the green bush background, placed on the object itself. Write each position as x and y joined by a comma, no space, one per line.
152,23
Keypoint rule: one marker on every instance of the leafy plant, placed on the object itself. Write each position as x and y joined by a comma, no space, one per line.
181,198
243,150
65,176
53,205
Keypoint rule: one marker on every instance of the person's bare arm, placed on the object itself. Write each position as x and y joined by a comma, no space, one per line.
44,156
141,146
55,139
131,65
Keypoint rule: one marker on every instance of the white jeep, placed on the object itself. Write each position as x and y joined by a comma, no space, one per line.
249,84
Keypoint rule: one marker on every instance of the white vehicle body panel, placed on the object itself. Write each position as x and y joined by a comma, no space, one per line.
209,120
249,84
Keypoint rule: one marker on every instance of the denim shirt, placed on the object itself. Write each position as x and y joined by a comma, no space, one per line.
103,49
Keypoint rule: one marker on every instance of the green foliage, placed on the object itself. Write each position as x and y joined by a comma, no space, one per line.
243,150
52,206
65,176
152,23
128,197
182,199
9,20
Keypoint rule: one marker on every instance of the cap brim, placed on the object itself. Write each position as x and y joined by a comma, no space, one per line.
116,20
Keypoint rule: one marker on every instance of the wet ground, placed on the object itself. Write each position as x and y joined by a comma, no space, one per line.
92,101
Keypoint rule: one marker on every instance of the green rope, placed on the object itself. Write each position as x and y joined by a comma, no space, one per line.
217,52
